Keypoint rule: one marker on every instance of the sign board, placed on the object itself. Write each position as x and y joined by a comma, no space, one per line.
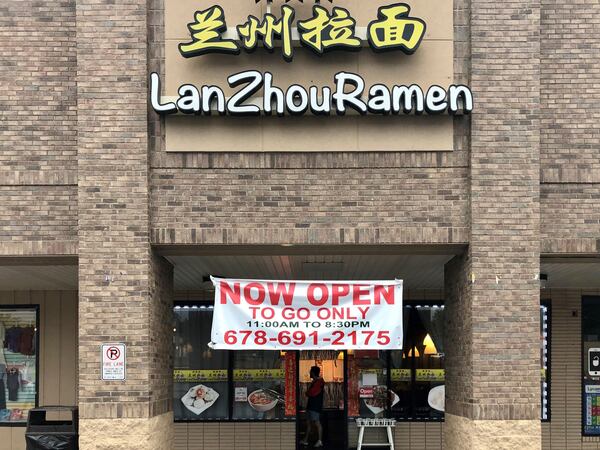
594,362
113,362
591,409
392,28
267,315
241,394
228,59
366,392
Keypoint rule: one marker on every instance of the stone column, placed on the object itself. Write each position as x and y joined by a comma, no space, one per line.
125,290
493,356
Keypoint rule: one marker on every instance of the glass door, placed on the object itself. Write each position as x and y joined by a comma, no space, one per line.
332,419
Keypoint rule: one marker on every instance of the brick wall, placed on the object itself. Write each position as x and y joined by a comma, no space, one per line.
459,323
160,335
570,81
38,213
570,138
38,102
38,128
124,290
500,301
572,217
289,204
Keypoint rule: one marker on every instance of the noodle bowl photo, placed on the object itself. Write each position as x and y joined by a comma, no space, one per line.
262,401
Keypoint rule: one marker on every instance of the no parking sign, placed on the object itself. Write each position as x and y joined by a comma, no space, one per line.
113,362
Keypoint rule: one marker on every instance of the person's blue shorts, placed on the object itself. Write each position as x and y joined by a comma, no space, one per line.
313,416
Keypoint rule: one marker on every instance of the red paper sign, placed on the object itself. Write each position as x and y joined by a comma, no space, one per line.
366,392
290,383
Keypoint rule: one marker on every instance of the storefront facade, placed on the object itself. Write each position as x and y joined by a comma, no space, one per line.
127,177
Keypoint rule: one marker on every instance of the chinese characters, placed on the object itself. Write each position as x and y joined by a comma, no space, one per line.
325,31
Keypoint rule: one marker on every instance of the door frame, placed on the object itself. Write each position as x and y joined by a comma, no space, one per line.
345,390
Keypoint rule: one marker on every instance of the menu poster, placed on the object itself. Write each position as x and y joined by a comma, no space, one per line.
290,384
241,394
591,409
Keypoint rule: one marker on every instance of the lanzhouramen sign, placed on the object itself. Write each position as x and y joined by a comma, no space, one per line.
271,314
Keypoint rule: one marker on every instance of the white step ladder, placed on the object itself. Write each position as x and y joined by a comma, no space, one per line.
375,423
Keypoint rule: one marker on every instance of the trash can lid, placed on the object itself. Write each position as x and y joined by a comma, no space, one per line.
54,408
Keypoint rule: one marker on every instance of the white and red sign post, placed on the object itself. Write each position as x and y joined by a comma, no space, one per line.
275,314
114,362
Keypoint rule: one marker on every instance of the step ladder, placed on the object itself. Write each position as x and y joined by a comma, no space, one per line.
375,423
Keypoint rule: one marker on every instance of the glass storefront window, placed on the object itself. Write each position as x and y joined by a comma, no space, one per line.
18,363
417,371
590,329
201,387
407,384
427,332
368,383
259,385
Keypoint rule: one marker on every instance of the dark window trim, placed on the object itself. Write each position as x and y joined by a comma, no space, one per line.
35,307
548,305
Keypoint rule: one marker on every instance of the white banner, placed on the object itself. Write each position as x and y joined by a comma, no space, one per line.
287,315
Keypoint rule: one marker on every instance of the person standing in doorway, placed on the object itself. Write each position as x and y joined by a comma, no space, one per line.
314,406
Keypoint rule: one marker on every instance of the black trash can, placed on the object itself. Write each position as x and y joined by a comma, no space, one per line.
44,434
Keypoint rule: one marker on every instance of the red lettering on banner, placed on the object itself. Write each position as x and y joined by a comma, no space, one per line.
234,293
358,291
363,311
303,313
339,290
323,313
248,293
311,294
287,313
275,293
386,294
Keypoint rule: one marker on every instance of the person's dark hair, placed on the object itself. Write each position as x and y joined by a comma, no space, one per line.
315,370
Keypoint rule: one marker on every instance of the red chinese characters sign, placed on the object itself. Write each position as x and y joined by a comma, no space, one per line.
290,384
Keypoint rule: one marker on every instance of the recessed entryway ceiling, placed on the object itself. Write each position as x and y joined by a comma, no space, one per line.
417,271
39,277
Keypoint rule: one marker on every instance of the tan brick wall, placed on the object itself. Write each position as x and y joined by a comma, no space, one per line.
125,290
571,217
38,128
38,100
492,293
184,203
569,92
38,213
570,167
